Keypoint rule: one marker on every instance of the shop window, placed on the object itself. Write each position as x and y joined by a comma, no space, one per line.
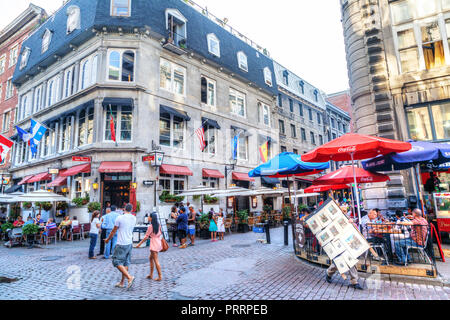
408,52
211,183
213,44
419,124
172,77
441,118
432,44
238,103
121,8
208,91
123,123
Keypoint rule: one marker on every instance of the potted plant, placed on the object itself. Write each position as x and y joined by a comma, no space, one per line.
6,226
204,226
30,231
94,206
79,202
170,198
27,205
210,200
287,213
61,208
243,221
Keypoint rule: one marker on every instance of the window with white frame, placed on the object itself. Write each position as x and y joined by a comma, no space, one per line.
65,134
85,132
52,91
121,65
172,77
46,39
238,103
2,63
268,76
210,139
211,183
242,153
9,89
6,121
21,150
264,114
73,18
88,72
24,59
121,8
26,106
123,123
208,91
176,25
242,61
173,184
13,55
48,141
38,98
69,82
171,131
213,44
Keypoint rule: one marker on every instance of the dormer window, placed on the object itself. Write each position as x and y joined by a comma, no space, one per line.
316,95
121,8
213,44
242,61
286,77
176,25
73,19
46,39
302,86
24,59
268,76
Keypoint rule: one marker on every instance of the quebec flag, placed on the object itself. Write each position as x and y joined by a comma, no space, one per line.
33,137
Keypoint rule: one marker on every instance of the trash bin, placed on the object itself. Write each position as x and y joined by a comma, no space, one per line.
259,231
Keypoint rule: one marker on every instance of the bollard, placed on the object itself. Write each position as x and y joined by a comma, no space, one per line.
266,227
286,235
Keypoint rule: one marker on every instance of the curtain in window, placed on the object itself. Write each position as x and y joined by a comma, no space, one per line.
434,55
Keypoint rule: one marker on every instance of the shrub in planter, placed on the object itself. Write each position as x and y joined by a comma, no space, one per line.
94,206
170,198
7,226
243,221
27,205
30,229
79,202
210,200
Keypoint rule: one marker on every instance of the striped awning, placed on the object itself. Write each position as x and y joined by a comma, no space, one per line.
176,170
40,177
239,176
58,182
25,180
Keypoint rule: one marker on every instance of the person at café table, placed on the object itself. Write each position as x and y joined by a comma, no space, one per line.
419,232
38,221
373,229
19,222
64,226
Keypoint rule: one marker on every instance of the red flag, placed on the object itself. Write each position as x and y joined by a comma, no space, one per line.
112,127
200,132
5,146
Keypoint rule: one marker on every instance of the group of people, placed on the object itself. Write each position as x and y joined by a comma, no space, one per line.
183,223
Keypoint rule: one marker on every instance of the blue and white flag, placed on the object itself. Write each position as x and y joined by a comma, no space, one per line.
38,131
234,146
24,135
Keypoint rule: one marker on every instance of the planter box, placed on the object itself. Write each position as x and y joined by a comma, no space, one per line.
205,234
243,228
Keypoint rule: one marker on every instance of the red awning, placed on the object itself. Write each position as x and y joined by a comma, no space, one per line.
209,173
58,182
176,170
242,177
25,180
82,168
115,167
40,177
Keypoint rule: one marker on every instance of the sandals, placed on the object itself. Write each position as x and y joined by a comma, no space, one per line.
149,277
130,283
119,285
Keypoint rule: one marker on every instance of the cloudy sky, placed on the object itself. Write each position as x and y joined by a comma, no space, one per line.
303,35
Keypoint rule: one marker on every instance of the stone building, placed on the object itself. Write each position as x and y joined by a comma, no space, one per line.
11,38
398,62
163,69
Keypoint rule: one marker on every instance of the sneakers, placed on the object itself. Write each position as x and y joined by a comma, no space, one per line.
356,286
328,278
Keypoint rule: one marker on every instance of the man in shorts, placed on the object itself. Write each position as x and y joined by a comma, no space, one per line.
121,259
191,225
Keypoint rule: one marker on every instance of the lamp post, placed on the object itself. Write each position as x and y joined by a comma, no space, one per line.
229,168
156,161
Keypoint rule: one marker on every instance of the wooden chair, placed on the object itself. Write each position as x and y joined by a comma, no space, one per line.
228,223
51,233
77,231
85,229
251,222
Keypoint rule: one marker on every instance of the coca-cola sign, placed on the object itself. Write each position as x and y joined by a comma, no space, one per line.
347,149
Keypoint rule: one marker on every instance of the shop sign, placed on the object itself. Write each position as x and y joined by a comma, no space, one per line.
5,180
443,225
81,159
148,158
148,183
53,171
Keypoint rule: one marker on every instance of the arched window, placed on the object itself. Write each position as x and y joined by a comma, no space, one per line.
73,18
114,66
24,107
37,102
213,44
68,83
24,59
94,70
50,93
82,128
242,61
46,39
85,74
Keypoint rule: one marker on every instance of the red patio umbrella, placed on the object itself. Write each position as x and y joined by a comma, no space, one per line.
133,199
324,188
345,175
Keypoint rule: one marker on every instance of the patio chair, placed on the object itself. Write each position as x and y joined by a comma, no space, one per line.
421,250
380,246
228,223
85,229
76,231
51,233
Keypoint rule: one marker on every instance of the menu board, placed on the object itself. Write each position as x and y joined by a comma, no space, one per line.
340,240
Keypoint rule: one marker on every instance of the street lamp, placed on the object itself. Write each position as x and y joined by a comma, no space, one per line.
229,168
156,161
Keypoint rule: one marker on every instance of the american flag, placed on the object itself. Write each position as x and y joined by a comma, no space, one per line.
200,132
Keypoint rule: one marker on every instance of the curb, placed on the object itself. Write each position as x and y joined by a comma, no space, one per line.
439,281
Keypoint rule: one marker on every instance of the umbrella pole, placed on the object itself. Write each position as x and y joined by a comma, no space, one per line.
419,192
289,190
296,199
356,192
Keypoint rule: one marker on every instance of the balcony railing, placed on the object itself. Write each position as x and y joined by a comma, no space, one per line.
227,27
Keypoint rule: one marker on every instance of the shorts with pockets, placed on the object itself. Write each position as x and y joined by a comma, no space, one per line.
122,255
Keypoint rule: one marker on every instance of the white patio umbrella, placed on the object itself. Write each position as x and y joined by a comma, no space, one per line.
198,191
41,196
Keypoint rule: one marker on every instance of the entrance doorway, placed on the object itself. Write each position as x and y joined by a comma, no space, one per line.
116,189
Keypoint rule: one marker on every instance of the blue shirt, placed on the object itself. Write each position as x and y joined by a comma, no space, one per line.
109,220
182,222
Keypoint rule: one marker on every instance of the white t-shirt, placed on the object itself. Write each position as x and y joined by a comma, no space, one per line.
126,225
94,224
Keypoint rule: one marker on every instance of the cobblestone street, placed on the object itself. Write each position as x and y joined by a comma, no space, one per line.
236,269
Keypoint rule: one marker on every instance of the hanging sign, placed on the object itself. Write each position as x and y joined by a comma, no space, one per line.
81,159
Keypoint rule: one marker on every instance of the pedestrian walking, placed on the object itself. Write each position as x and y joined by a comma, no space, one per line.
121,259
221,225
93,233
192,218
155,245
182,227
213,225
103,231
109,221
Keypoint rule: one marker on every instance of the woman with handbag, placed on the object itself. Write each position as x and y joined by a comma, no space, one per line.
156,245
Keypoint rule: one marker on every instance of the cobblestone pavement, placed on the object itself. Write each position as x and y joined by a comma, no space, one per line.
238,268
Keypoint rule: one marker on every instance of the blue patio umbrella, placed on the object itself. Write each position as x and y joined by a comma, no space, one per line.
287,164
431,154
421,152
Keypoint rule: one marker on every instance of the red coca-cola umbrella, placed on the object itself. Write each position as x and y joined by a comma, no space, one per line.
324,188
354,146
345,175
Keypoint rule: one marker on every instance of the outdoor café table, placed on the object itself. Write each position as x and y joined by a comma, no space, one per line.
140,230
385,231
